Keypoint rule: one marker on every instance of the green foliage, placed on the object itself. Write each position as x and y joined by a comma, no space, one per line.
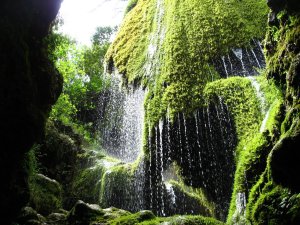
83,73
254,148
147,218
102,35
30,162
280,55
272,204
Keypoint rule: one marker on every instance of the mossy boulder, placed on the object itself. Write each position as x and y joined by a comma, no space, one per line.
57,218
193,220
137,218
45,194
83,213
113,213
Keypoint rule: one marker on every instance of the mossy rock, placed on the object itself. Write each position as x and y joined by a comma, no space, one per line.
194,220
275,205
137,218
83,213
113,213
284,160
46,194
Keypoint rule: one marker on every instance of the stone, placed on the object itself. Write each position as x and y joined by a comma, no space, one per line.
146,215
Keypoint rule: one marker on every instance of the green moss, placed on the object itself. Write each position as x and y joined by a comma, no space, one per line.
45,194
280,44
87,184
207,207
142,217
193,220
272,204
172,57
128,51
242,102
147,218
254,146
118,180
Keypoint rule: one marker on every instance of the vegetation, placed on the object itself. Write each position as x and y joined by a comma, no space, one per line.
174,59
175,64
83,72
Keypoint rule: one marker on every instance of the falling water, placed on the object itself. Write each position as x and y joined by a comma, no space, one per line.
224,64
264,122
239,54
231,67
180,140
253,53
161,163
149,171
241,203
171,192
263,103
259,94
187,143
122,123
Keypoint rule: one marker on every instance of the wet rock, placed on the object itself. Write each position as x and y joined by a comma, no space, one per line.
146,215
57,218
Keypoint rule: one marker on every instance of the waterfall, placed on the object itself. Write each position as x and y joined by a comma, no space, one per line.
263,103
240,61
259,94
239,54
225,67
171,192
121,125
264,122
253,53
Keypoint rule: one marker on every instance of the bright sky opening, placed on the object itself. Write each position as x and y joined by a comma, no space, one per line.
81,17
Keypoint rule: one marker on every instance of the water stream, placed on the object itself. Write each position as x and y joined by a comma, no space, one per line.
121,125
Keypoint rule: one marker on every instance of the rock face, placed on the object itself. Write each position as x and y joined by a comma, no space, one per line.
283,52
29,85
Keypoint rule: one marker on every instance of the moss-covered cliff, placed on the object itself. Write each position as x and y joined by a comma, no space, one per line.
172,47
216,145
178,51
